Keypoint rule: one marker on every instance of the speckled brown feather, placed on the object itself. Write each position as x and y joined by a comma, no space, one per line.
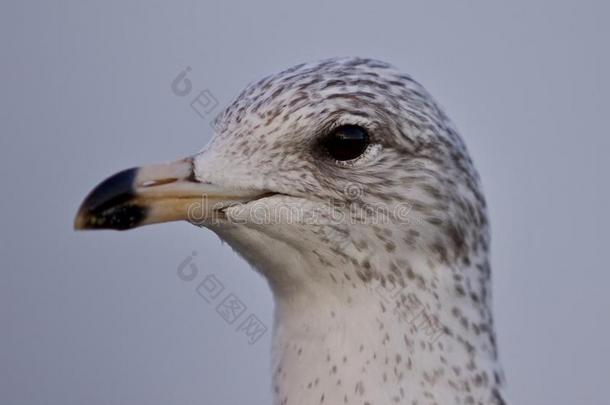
344,290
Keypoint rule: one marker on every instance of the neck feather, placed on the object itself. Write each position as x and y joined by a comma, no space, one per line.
355,327
383,343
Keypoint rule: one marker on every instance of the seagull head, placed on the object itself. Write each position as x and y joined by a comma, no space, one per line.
348,188
322,158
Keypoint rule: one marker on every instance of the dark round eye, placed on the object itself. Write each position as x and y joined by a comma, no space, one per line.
346,142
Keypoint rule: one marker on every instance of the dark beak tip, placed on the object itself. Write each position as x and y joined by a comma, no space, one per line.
121,218
115,188
79,223
84,220
110,205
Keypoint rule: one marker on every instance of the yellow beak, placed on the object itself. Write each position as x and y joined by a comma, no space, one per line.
154,194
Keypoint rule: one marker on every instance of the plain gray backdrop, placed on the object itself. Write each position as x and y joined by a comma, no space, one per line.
85,90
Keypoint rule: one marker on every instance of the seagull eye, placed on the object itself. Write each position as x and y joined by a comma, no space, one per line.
346,142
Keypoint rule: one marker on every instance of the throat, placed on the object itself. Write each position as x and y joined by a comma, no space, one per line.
356,326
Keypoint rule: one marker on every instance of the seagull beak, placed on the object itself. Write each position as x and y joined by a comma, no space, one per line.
154,194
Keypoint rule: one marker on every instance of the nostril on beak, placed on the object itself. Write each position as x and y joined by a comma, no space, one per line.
158,182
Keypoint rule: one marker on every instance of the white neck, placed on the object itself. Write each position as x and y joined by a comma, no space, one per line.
366,350
344,335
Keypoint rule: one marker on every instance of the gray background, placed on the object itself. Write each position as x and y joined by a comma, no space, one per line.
102,318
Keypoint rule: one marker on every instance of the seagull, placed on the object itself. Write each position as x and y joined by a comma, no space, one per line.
344,184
